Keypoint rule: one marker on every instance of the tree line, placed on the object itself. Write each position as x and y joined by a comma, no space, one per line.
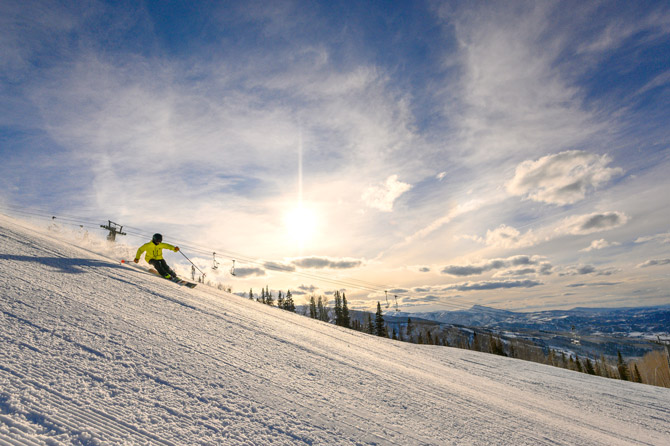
653,368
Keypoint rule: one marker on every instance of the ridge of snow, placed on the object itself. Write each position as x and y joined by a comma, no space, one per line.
93,352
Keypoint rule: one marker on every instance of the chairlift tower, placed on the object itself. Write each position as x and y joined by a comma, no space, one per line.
113,228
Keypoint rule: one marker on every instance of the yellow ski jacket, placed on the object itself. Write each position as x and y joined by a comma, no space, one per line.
153,251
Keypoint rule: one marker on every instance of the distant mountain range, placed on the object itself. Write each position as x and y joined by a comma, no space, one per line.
584,331
639,322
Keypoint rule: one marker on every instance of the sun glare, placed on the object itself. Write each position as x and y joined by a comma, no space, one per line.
300,224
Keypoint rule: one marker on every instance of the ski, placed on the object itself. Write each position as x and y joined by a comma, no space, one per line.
180,282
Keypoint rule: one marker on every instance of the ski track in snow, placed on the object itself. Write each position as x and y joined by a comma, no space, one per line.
93,352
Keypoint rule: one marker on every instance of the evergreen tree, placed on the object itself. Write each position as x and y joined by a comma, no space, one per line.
346,319
380,327
289,305
251,294
312,307
268,296
338,309
280,300
370,326
589,367
395,335
636,375
622,367
409,329
578,364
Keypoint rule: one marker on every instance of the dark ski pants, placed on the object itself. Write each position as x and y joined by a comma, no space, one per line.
163,268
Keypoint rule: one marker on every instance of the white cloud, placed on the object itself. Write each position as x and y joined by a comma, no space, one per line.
383,196
582,270
505,236
655,262
562,178
590,223
599,244
660,238
325,262
490,265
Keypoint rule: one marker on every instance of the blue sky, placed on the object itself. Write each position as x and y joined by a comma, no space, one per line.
512,154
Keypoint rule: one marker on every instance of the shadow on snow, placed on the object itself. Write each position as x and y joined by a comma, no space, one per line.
64,264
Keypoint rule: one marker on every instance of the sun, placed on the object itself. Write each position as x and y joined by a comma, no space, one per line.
300,223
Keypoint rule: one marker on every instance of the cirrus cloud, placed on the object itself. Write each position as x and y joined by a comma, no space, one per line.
493,285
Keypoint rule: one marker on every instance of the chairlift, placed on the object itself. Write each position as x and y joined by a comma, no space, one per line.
396,303
215,264
232,269
387,298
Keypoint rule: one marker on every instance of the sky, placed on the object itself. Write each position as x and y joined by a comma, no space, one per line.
508,154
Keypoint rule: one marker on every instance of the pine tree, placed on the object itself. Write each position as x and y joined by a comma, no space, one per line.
370,326
251,294
289,305
589,367
338,309
268,296
636,375
622,367
395,335
380,328
280,300
312,307
409,329
346,319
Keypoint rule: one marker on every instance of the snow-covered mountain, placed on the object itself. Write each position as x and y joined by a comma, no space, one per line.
93,352
638,322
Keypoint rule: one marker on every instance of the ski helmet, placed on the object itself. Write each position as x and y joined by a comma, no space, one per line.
157,238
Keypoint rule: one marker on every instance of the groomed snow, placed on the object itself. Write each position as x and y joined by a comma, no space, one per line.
93,352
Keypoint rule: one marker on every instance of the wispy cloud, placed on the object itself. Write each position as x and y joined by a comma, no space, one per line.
582,270
660,238
493,285
599,244
654,262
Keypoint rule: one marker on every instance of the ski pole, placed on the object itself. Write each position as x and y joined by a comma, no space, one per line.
194,265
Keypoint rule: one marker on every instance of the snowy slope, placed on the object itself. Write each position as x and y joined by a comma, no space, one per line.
93,352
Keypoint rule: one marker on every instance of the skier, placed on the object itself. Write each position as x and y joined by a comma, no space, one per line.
154,256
